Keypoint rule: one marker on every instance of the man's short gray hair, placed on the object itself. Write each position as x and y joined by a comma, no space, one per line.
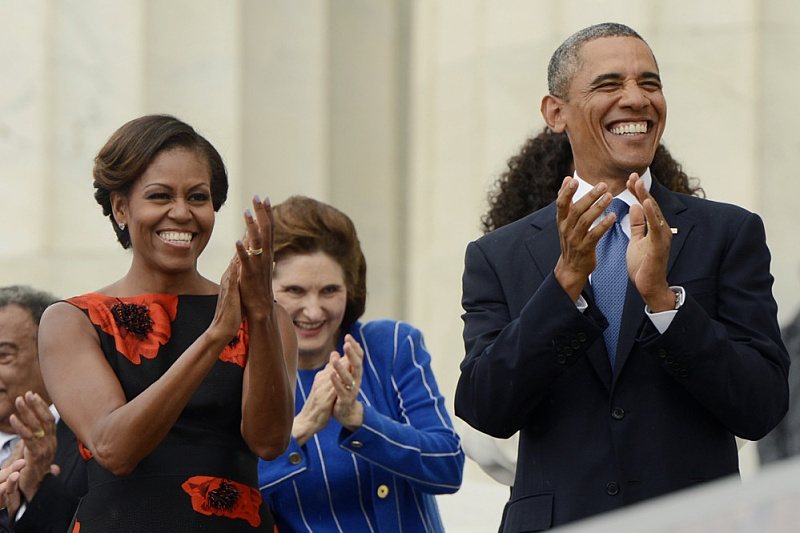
565,61
30,299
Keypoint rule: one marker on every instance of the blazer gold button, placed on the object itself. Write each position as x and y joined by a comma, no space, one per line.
383,491
295,458
356,444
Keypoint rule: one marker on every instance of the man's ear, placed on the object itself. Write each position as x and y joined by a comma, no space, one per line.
553,113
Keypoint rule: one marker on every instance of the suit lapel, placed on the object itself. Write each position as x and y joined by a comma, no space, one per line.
544,247
598,353
67,451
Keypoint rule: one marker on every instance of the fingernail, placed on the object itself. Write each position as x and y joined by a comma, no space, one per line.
248,213
266,200
257,199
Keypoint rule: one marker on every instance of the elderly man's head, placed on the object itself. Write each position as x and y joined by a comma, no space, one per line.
21,309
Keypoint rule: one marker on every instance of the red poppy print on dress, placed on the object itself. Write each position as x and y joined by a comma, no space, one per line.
77,528
140,325
236,350
222,497
84,451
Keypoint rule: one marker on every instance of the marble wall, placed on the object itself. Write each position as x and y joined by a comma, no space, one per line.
400,112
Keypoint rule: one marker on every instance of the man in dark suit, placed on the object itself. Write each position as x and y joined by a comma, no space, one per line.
54,477
618,398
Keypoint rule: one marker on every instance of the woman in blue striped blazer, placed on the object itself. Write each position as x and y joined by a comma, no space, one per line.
372,442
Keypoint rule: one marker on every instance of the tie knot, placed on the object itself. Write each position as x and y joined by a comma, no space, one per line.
619,208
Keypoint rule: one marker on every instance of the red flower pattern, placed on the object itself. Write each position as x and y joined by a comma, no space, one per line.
162,309
84,451
236,350
245,504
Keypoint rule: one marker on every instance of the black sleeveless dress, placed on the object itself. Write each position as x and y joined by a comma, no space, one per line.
202,477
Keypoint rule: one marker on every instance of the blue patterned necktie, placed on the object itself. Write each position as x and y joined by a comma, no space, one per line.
610,277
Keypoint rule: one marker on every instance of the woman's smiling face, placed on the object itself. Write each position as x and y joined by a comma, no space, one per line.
169,212
311,287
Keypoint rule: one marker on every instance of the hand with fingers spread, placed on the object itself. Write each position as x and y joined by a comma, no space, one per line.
578,242
648,251
36,426
347,381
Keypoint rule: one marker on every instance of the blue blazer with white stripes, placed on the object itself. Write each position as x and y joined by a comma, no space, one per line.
382,477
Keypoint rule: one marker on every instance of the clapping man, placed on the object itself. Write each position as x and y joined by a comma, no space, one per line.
628,333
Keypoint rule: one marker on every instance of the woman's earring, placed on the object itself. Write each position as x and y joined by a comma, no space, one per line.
121,226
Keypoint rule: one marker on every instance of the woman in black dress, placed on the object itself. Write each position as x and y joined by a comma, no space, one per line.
174,384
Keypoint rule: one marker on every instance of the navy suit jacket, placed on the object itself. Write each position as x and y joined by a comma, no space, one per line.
593,439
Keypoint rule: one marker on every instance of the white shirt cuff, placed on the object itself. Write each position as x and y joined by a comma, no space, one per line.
663,319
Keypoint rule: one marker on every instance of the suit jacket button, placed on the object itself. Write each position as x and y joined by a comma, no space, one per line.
575,344
662,353
561,359
295,458
618,413
383,491
582,337
612,488
567,351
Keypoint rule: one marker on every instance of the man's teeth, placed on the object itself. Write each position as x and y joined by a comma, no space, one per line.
176,236
639,127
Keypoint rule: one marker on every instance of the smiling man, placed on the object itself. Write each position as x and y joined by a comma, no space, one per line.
628,333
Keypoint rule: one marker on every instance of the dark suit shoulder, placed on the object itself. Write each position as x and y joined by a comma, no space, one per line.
511,234
701,207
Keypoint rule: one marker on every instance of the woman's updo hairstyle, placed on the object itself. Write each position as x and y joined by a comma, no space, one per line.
131,149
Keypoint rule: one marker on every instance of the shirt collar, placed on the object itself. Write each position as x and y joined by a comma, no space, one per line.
5,437
626,196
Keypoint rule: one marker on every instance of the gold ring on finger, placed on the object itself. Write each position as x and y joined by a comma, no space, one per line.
38,434
255,251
